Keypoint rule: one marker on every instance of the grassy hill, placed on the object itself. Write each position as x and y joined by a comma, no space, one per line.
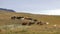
5,19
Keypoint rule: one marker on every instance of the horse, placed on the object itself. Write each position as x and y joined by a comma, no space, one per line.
19,17
14,17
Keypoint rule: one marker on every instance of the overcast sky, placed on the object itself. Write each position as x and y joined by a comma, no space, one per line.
32,6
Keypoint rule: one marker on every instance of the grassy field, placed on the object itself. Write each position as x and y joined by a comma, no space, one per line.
9,26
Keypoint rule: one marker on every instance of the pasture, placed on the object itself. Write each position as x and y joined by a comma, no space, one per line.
10,26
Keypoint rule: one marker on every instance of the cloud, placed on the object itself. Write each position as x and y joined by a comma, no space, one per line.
49,12
45,12
53,12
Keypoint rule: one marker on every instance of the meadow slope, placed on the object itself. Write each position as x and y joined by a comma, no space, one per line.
5,19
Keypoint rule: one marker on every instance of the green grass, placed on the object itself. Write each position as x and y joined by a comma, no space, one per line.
18,29
5,19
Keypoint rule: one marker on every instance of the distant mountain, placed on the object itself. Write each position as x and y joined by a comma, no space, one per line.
7,10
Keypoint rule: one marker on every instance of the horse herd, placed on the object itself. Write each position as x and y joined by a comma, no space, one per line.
31,20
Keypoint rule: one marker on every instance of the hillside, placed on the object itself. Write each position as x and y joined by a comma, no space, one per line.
5,19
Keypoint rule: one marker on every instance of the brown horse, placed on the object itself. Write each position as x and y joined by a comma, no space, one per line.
28,23
40,23
19,17
28,18
34,20
31,23
24,23
14,17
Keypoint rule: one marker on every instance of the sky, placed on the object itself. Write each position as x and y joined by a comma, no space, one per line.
50,7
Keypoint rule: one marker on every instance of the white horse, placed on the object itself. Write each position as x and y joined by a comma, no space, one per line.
54,25
47,23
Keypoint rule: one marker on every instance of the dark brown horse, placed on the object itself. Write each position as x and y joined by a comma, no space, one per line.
34,20
19,17
40,23
24,23
14,17
31,23
28,23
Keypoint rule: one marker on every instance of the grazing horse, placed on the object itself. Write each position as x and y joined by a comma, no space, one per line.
54,25
30,23
13,17
35,20
40,23
28,18
47,23
19,17
24,23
